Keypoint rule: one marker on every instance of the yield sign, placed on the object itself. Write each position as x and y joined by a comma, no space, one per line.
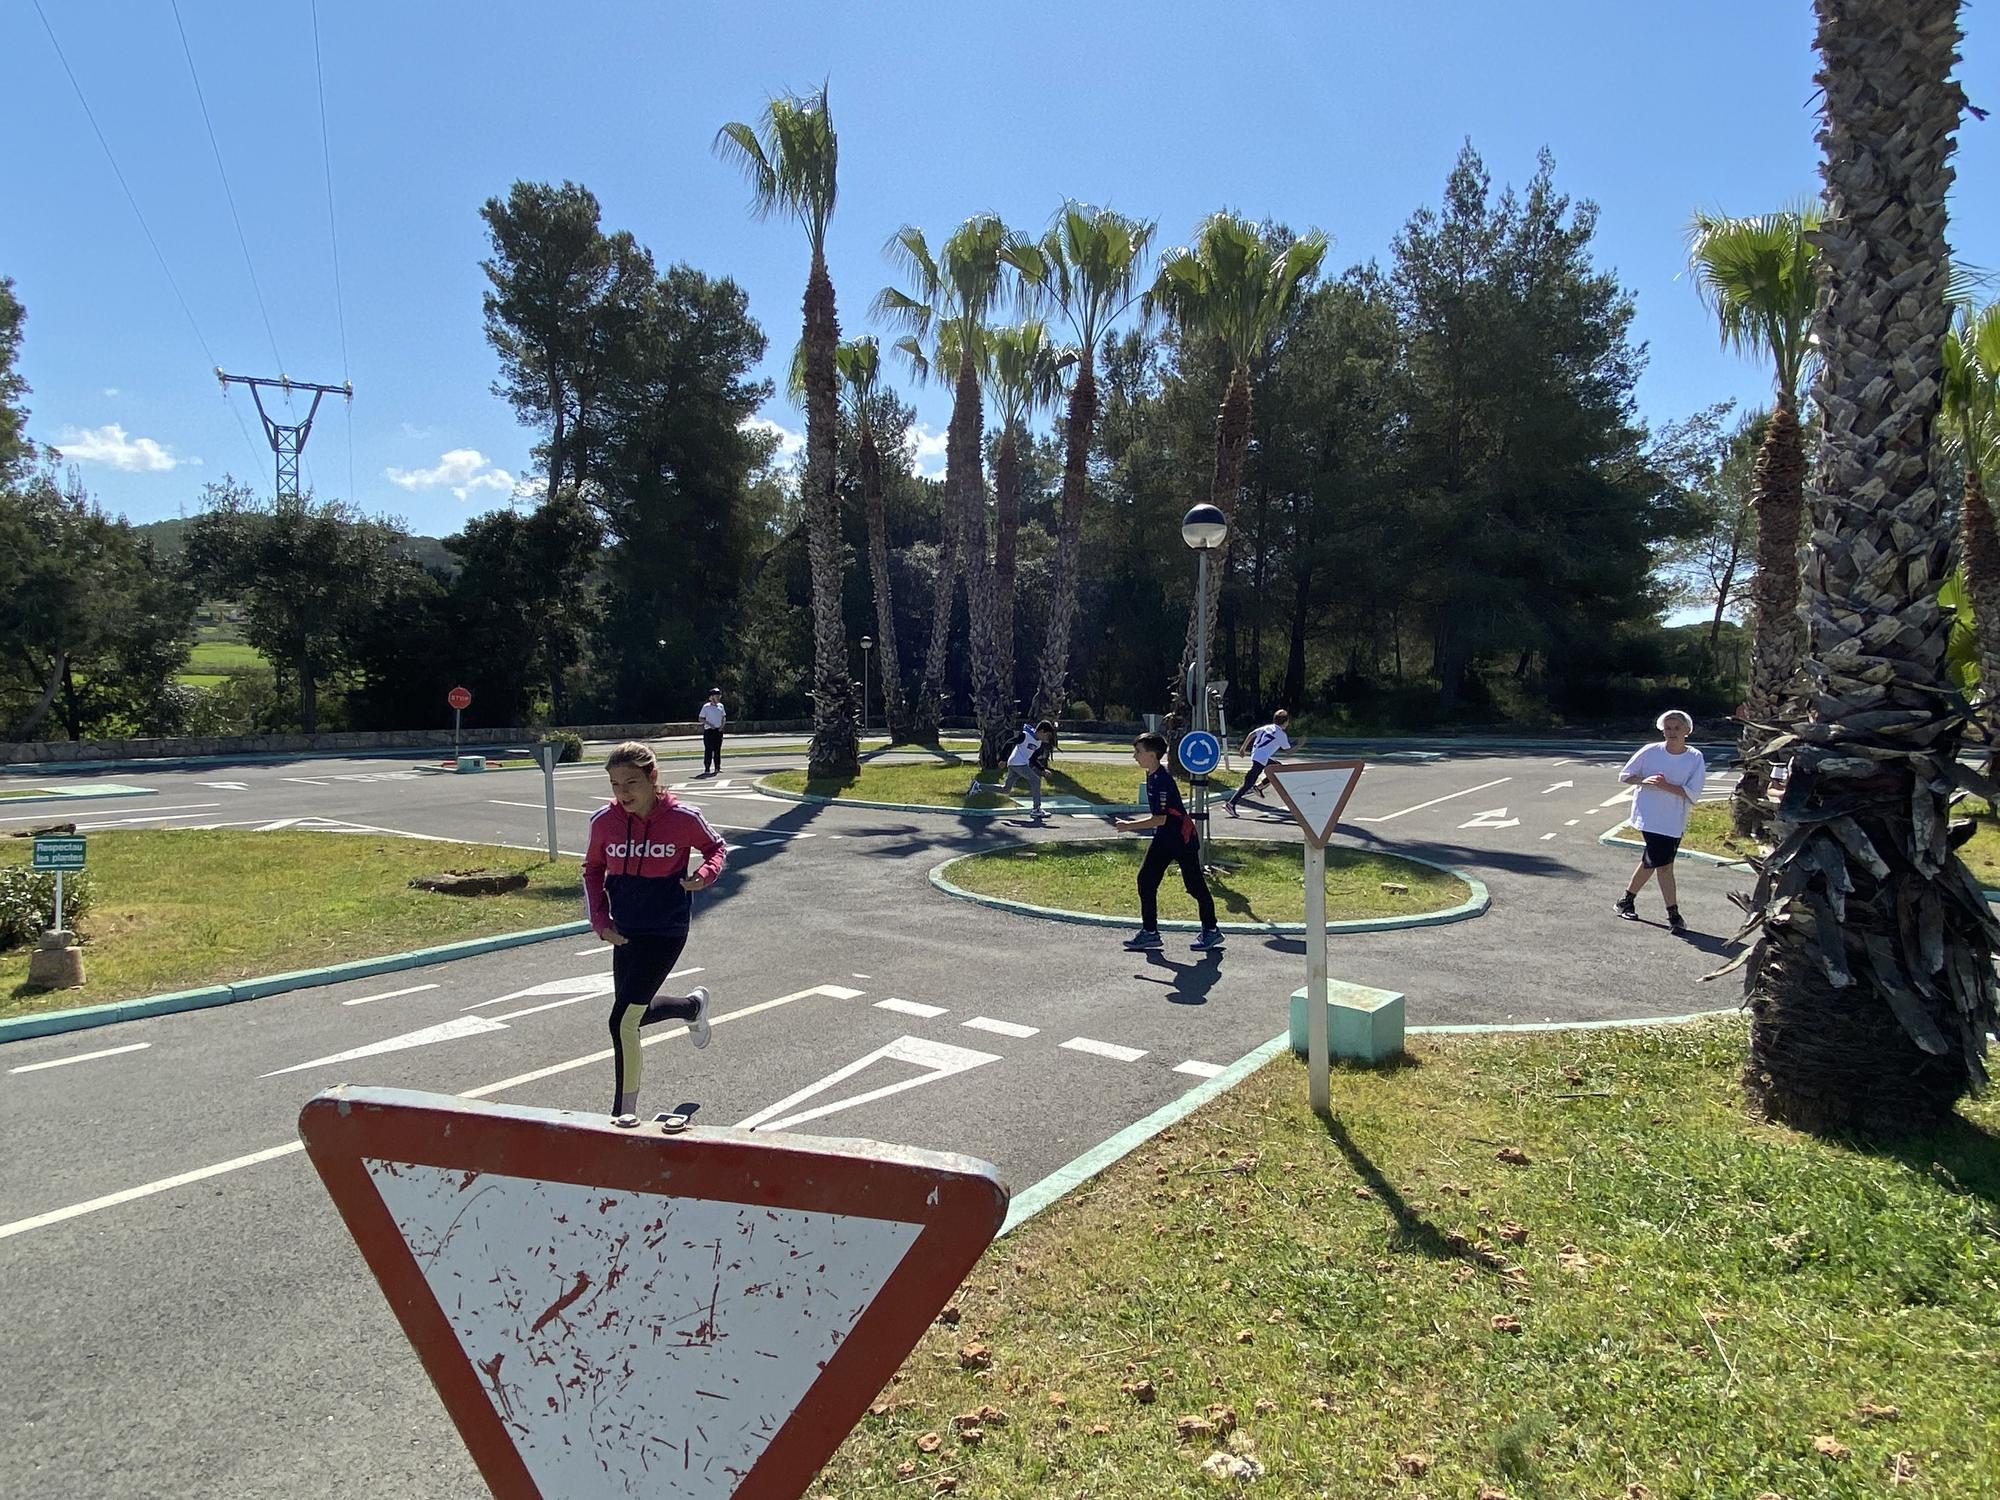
1316,791
613,1313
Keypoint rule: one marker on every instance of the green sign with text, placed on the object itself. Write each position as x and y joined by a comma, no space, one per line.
59,854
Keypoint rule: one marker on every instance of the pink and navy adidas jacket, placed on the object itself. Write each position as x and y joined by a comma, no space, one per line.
633,869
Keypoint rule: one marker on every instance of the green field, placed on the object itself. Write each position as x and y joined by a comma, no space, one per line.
942,782
1553,1267
1252,880
179,909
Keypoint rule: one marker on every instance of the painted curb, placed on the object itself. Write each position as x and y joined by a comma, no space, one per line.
81,794
1474,905
1108,809
1072,1175
85,1017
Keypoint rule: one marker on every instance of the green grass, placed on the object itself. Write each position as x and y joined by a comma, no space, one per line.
226,657
1710,831
1252,880
1698,1298
941,783
178,909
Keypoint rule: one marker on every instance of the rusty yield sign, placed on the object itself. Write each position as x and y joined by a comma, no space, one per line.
610,1312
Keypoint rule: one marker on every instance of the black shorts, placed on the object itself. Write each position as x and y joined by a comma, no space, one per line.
1660,850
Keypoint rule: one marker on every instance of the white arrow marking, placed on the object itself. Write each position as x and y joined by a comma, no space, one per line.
1557,787
446,1031
940,1059
1493,817
1624,796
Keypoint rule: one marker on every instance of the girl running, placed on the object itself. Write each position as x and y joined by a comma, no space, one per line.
637,889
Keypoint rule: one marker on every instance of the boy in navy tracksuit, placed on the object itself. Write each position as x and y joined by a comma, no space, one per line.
638,892
1175,841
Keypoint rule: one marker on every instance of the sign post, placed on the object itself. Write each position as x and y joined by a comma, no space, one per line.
1316,791
59,855
460,700
57,962
616,1312
546,752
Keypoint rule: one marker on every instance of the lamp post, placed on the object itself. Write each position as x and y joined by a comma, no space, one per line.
867,645
1204,528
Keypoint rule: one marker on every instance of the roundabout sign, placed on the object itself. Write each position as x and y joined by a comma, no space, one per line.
1201,752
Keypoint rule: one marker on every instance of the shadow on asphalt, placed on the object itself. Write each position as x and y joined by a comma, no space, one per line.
1191,982
1464,856
1413,1231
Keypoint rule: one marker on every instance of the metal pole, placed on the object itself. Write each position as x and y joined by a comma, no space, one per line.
1201,679
59,900
1316,1041
549,794
864,692
454,731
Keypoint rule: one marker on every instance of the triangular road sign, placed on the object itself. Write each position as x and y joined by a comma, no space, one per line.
613,1312
1316,791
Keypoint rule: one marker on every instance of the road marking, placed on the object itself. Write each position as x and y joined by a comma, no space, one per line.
272,1153
911,1008
445,1031
1493,817
1557,787
1001,1028
126,822
1433,802
940,1059
1624,796
1547,836
1105,1049
226,786
588,984
1570,762
1198,1069
581,812
415,989
861,976
63,1062
307,780
1572,822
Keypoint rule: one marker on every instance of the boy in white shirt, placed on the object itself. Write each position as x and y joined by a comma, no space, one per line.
713,716
1260,745
1669,776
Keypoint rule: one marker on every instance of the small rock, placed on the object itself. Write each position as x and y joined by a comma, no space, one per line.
1416,1465
906,1470
930,1442
1232,1466
879,1409
1868,1411
1245,1336
1502,1323
992,1416
1395,888
1193,1427
1831,1447
1264,1406
972,1437
1224,1417
1058,1400
1098,1429
1141,1391
1513,1234
946,1484
950,1316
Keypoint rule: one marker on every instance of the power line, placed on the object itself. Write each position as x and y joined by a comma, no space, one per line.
333,234
137,213
228,196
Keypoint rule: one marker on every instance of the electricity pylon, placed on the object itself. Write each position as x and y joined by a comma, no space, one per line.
288,439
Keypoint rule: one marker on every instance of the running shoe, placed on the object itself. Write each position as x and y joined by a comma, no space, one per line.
1143,941
1626,908
1230,808
699,1029
1675,924
973,788
1209,942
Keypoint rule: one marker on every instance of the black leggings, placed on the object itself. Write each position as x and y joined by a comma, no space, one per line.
1257,769
639,966
1159,855
711,749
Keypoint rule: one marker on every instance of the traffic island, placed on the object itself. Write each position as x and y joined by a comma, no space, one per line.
1255,883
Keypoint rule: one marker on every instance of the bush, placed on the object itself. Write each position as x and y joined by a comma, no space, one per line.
569,739
1078,710
28,901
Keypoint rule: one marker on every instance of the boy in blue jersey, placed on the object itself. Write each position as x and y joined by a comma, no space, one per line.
1175,841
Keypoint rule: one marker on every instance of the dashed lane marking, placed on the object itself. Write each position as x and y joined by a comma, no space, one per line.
1001,1028
1198,1069
63,1062
415,989
911,1008
1104,1049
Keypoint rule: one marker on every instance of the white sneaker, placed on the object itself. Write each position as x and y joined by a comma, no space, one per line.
699,1029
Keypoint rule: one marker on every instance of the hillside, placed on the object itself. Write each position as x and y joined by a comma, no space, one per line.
170,537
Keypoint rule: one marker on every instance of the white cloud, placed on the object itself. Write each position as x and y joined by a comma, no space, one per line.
790,443
111,445
112,390
461,471
926,450
412,430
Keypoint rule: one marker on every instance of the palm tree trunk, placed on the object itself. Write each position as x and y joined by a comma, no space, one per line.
990,702
1871,986
1052,691
893,709
1775,650
835,750
944,592
1232,442
1006,534
1981,550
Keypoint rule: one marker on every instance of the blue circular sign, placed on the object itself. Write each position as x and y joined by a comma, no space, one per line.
1201,752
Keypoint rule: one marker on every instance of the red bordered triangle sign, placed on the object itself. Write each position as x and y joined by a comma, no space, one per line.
1316,791
611,1312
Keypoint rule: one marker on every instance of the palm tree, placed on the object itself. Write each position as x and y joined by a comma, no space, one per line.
1760,276
1972,408
1085,270
791,164
953,293
1234,284
1871,985
860,363
1023,369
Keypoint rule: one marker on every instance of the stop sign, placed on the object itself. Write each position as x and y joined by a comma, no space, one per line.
459,698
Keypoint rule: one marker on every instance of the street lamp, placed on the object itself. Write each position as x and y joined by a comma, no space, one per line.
867,645
1204,528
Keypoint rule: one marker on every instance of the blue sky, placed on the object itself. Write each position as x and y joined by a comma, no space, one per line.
1341,115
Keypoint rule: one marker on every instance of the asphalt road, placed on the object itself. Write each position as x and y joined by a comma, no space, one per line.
190,1317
